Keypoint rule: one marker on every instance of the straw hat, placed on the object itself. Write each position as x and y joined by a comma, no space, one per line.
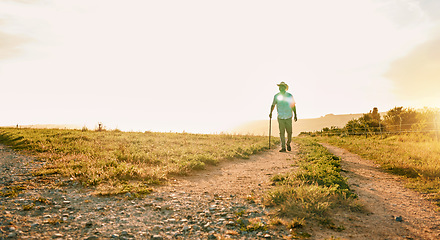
283,84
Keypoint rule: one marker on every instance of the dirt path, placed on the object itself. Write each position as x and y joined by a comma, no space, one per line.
395,211
240,178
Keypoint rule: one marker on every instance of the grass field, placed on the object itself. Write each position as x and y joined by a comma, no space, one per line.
115,162
416,157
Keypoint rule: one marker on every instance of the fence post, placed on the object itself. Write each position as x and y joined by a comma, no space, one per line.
436,128
365,129
380,130
400,131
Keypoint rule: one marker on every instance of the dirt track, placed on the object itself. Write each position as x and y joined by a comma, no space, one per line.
207,205
388,202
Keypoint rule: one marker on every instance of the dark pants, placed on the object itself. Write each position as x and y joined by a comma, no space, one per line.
285,125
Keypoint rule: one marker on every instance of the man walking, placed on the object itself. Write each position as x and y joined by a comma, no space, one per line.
285,106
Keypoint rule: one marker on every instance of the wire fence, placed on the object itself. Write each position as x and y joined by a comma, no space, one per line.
426,127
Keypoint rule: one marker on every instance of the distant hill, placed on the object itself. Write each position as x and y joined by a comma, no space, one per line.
261,127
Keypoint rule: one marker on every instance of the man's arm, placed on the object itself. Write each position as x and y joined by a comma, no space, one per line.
271,110
294,111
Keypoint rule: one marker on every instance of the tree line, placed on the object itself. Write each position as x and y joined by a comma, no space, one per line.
396,120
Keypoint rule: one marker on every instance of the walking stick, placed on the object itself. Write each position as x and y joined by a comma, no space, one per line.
270,129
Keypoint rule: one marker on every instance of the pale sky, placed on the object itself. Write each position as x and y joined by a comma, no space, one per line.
207,66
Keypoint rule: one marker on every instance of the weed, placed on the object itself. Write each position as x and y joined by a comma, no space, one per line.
356,206
232,233
327,222
339,228
251,225
12,191
276,221
301,235
42,200
53,221
296,223
242,223
256,225
28,207
240,213
250,198
279,178
332,238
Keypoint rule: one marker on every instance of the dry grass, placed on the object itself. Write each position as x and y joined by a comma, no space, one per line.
115,162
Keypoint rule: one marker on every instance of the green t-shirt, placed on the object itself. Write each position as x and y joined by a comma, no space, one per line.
285,103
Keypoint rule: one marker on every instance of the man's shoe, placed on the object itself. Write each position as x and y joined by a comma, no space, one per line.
289,148
283,150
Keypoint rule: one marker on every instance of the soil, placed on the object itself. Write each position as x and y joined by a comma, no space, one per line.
210,204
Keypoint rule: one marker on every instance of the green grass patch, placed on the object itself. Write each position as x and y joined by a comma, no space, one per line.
28,207
115,162
416,157
314,192
12,191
